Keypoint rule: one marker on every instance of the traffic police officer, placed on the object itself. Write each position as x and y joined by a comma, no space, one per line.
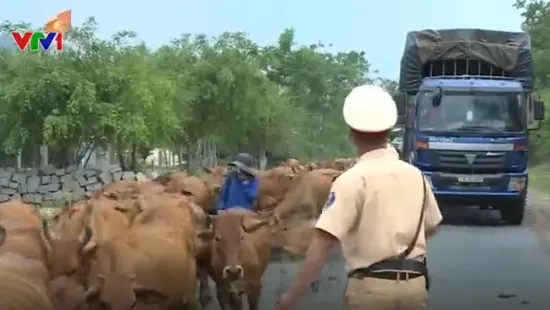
381,211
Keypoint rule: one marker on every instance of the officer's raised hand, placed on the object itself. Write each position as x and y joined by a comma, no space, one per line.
287,302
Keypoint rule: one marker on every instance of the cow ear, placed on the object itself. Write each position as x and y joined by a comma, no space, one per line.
274,220
207,170
252,223
90,247
3,235
113,196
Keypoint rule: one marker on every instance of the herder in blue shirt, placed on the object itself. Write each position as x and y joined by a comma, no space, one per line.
240,188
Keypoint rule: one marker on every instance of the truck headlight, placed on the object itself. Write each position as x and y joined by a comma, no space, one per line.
516,183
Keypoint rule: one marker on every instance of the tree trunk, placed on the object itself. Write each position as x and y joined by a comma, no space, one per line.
188,164
133,158
110,154
19,160
181,160
120,153
43,156
262,158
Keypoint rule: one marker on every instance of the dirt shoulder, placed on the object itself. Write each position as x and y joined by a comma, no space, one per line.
538,213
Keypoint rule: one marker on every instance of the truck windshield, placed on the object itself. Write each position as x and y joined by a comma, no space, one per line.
471,112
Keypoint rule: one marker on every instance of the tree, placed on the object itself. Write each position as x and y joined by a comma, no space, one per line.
536,14
202,97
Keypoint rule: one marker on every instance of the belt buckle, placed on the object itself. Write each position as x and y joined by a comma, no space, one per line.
402,275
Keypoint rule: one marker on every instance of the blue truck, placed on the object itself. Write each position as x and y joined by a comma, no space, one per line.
469,109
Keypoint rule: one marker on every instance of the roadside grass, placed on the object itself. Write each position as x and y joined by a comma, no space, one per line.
539,178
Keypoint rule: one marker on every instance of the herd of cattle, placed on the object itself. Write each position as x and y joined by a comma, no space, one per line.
155,244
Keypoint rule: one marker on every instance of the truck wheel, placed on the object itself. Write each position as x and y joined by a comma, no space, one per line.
512,212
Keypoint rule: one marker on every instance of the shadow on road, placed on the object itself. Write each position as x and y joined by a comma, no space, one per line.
466,216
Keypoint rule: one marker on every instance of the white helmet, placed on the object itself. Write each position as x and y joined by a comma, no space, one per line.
369,108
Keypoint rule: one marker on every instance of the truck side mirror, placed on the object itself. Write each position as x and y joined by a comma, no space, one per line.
538,110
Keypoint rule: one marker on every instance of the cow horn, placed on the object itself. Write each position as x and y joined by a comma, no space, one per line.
46,230
251,224
86,236
91,292
3,235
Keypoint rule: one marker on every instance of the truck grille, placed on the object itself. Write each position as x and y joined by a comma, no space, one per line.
470,162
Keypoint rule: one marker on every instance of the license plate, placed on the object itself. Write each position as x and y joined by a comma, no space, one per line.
470,179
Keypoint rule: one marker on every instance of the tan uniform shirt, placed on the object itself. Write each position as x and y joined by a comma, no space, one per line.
374,209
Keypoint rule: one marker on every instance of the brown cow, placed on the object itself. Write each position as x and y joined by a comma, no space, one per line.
152,263
241,245
293,164
154,208
23,212
23,224
164,179
308,195
274,185
128,189
72,249
22,278
203,190
72,220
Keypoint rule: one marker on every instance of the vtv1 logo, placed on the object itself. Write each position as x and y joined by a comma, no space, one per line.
38,40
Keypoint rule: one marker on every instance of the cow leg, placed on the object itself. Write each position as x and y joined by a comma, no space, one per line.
236,302
223,297
204,290
253,296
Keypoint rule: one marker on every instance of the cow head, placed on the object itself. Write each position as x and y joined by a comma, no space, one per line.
215,177
228,236
129,207
66,253
118,291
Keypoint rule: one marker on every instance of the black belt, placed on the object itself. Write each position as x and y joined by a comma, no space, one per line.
387,275
394,269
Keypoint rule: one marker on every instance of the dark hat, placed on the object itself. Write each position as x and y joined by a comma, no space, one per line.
244,162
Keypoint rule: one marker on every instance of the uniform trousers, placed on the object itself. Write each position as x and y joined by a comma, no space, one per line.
372,293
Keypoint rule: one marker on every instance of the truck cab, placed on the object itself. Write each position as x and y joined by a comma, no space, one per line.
467,120
471,141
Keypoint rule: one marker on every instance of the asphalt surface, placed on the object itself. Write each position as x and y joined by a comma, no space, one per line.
475,263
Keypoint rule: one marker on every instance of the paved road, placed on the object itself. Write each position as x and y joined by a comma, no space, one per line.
474,262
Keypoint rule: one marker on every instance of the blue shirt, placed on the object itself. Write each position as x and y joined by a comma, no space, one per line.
238,193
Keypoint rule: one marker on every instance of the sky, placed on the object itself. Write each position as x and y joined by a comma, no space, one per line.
377,27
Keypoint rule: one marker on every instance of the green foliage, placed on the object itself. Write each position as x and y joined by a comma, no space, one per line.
536,14
281,98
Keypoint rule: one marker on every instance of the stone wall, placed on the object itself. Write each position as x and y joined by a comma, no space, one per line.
51,184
